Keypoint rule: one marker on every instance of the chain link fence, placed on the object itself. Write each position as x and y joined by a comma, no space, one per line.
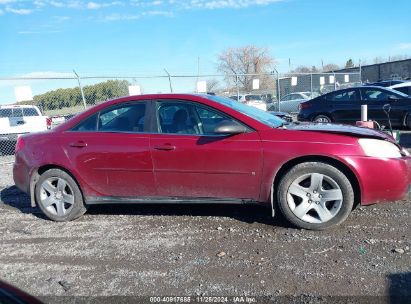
59,98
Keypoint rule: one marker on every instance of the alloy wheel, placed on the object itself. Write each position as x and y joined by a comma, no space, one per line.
56,196
314,198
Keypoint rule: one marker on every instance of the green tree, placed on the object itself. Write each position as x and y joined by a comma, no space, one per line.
349,64
70,97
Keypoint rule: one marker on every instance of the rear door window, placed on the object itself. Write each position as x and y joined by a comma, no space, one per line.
123,118
344,96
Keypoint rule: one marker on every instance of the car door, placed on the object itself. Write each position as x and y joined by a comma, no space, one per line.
189,160
376,98
344,105
111,151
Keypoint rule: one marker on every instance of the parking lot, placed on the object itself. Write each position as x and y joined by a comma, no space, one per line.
192,250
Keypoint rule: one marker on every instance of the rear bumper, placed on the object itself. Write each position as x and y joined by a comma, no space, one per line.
21,174
302,117
382,179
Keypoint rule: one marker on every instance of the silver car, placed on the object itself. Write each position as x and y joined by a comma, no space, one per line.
290,102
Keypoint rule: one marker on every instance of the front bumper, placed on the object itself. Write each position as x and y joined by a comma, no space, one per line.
382,179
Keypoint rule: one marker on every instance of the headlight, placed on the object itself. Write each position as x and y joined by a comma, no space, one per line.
379,148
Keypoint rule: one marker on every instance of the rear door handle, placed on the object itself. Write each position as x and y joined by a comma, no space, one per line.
21,122
166,147
78,144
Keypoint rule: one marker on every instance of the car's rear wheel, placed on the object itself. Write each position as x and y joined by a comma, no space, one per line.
59,196
315,195
322,118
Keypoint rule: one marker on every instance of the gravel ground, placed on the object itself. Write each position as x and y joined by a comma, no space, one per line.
201,250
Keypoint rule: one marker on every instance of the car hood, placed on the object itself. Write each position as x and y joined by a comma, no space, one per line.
341,129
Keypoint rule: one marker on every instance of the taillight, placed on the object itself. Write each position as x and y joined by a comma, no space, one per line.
48,122
305,105
19,144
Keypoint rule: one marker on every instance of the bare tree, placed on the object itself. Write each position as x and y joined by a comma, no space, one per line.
305,69
398,57
378,59
213,85
249,59
329,67
301,69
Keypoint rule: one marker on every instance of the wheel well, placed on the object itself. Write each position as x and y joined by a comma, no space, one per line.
404,121
45,168
324,159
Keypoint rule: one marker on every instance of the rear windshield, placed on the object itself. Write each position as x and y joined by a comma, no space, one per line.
18,112
30,112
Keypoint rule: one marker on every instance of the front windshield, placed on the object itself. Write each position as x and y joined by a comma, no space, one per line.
253,112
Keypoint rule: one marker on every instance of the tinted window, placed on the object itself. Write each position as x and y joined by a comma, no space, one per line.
187,118
376,95
344,96
87,125
11,112
210,119
30,112
125,118
177,118
5,112
405,90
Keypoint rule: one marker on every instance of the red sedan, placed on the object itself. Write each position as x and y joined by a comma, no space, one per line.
207,149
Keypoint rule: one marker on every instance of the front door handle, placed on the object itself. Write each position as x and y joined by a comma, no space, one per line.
78,144
166,147
21,122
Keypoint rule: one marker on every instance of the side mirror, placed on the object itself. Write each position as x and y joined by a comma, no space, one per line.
230,128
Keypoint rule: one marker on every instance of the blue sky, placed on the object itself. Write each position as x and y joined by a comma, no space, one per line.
45,37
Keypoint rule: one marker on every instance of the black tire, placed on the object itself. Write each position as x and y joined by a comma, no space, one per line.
333,179
323,118
408,121
69,188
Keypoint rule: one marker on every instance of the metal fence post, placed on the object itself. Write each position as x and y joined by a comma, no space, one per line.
237,86
81,90
169,80
311,84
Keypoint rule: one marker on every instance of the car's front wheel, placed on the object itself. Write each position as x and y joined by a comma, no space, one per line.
59,196
315,195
